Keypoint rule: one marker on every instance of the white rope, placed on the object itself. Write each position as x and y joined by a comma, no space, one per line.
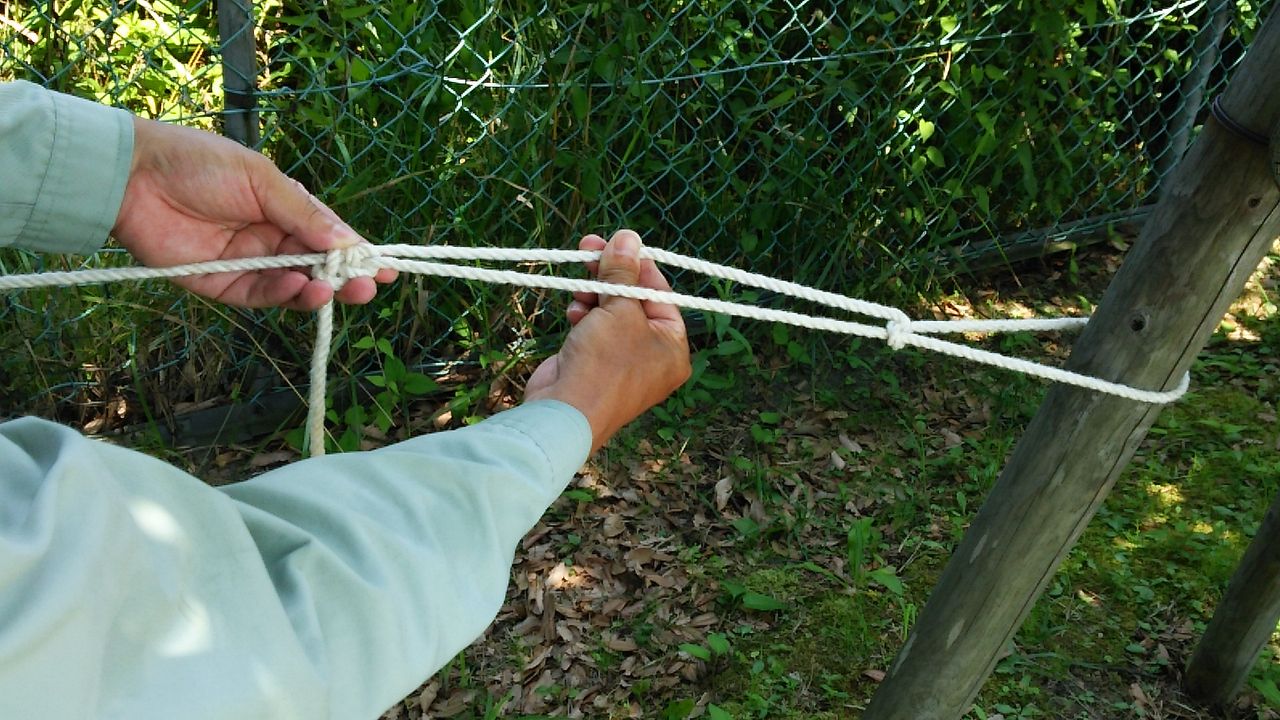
338,266
335,267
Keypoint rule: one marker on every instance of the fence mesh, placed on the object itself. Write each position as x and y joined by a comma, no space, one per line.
869,148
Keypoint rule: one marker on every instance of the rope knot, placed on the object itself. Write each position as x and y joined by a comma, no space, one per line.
343,264
897,330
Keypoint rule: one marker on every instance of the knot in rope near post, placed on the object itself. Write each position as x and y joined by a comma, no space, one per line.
897,330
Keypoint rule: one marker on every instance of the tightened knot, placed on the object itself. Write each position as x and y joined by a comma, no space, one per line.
897,330
343,264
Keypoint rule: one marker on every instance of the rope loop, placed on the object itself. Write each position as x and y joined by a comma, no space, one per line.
338,266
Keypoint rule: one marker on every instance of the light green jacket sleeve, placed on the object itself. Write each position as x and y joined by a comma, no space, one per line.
326,589
64,163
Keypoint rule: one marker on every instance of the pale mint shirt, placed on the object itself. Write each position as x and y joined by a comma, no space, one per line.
326,589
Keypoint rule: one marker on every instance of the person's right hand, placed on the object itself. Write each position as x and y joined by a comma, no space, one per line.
623,356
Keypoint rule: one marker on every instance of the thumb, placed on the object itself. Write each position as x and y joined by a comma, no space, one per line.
620,262
287,204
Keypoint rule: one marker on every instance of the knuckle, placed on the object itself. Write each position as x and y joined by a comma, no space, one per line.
262,164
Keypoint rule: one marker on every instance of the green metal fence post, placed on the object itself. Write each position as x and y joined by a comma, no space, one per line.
239,70
1218,15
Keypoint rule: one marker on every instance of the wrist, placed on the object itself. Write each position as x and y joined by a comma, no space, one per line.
594,404
144,139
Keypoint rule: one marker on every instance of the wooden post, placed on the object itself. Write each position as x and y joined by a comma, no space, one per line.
239,71
1242,622
1214,222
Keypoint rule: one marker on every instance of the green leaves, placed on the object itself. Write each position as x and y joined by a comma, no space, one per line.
714,712
751,600
858,541
860,544
1266,686
678,710
747,527
761,602
581,495
395,377
580,103
418,384
983,198
696,651
888,578
718,643
396,384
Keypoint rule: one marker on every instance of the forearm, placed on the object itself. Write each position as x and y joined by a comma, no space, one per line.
427,531
65,163
328,588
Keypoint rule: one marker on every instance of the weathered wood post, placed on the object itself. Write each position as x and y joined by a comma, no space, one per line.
239,71
1242,622
1215,221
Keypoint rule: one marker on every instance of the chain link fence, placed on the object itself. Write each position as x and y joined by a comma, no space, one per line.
863,148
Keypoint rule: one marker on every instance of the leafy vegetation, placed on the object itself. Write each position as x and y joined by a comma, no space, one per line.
806,139
762,545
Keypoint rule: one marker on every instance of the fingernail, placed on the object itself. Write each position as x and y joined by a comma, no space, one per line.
627,245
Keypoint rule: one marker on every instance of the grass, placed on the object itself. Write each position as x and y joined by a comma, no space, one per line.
795,504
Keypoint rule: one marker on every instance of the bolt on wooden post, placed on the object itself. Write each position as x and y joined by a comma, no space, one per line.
1217,217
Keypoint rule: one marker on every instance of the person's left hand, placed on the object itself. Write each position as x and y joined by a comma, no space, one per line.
193,196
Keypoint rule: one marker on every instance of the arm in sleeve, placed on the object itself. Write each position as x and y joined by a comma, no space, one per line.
326,589
65,164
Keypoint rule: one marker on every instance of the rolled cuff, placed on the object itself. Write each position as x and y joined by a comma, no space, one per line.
558,428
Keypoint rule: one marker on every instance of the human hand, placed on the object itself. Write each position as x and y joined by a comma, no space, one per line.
622,356
193,196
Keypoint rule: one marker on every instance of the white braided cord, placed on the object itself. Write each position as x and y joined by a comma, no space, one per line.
338,266
319,379
68,278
